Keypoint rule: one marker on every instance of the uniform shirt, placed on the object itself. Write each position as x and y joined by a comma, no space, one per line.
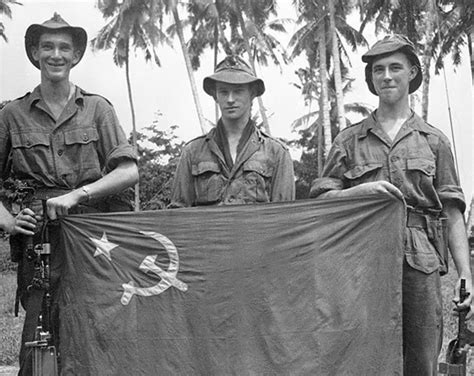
79,148
418,162
262,172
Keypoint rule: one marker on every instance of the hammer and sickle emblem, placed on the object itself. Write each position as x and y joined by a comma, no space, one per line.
168,277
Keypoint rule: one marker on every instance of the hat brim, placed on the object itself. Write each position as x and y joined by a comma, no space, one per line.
236,78
413,86
34,32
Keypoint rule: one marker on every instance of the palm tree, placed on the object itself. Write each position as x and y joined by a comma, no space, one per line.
434,31
172,5
456,19
310,127
5,9
132,24
312,120
337,65
247,22
312,39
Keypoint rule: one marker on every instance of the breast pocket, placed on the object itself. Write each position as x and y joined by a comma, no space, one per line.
258,179
363,173
420,171
81,147
209,183
30,152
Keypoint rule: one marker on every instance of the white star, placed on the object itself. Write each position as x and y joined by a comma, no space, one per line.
103,246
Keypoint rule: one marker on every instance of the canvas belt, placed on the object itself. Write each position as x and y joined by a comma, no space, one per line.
419,220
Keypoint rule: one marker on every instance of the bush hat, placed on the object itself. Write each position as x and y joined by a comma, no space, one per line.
56,23
233,70
387,46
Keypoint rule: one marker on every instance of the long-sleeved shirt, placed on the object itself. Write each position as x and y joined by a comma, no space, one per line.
262,172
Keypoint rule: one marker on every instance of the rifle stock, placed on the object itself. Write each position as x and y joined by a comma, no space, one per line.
458,348
45,357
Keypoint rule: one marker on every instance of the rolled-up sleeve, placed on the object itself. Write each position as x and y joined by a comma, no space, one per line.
114,147
333,173
447,182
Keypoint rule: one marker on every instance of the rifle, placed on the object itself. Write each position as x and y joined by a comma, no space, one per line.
457,349
45,359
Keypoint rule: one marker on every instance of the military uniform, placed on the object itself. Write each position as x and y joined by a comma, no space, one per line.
420,164
262,172
55,157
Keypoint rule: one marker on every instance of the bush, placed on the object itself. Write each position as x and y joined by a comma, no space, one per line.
5,262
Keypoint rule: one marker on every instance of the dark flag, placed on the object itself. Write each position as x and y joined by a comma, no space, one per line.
297,288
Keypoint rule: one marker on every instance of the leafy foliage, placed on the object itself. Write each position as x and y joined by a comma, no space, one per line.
130,23
158,153
5,9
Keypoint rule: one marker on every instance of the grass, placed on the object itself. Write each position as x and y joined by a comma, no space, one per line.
10,326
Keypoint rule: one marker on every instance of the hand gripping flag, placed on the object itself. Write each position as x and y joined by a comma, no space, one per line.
298,288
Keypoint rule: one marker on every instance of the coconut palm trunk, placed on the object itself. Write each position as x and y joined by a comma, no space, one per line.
341,119
324,102
246,37
187,60
427,56
134,125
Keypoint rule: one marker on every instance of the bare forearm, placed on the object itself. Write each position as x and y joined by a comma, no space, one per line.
458,244
363,189
123,176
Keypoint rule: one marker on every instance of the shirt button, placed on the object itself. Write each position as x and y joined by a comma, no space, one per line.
28,143
85,137
60,152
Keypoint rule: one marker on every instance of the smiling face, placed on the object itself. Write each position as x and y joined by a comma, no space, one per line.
235,101
56,56
391,76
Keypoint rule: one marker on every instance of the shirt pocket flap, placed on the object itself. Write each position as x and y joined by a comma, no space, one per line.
360,170
203,167
420,164
28,140
80,136
259,167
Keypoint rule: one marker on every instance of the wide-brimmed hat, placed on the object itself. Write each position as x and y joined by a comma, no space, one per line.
233,70
388,45
55,24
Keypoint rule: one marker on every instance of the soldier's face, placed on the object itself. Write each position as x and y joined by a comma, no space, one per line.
56,56
391,76
235,101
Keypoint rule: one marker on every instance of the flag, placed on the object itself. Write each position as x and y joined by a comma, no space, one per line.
309,287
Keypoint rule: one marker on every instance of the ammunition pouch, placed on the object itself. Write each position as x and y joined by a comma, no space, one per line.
436,228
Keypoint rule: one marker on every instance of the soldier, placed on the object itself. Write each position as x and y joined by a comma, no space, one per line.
235,163
394,151
69,146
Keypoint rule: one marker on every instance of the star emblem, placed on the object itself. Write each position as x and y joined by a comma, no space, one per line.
103,246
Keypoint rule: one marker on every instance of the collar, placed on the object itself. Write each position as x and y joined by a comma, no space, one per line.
36,96
414,122
255,131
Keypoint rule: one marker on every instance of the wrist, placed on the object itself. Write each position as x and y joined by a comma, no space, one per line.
85,194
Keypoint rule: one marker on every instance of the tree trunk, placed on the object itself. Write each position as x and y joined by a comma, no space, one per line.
189,68
341,119
134,126
427,55
246,37
216,44
323,76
